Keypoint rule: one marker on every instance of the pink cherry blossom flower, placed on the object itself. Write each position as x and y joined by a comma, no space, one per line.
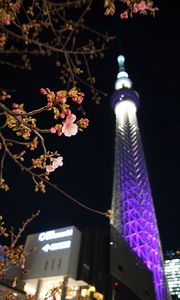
69,129
5,20
142,5
56,129
61,96
17,111
76,96
43,91
15,105
22,265
124,15
57,162
49,168
59,132
72,93
53,130
70,118
14,282
68,112
79,99
62,116
50,97
135,8
49,104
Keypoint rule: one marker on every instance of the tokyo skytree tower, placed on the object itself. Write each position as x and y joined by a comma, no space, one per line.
133,213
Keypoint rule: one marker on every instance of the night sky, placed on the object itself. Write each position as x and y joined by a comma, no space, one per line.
150,46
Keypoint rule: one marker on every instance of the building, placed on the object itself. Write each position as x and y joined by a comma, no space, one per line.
83,258
133,215
172,271
68,259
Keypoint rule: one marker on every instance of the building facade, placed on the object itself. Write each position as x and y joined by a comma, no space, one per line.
133,214
172,271
69,261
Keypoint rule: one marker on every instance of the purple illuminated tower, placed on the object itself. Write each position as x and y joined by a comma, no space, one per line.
132,203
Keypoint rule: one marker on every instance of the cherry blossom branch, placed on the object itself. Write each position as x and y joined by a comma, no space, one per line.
132,7
20,122
15,238
78,22
107,213
16,116
13,254
2,164
82,50
27,25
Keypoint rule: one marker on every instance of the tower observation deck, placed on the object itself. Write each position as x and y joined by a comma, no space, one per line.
133,214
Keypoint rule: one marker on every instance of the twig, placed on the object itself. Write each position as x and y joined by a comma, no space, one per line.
48,182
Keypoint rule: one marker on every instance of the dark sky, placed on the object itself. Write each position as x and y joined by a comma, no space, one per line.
150,46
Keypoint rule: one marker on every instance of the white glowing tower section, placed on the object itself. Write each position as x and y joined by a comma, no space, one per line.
132,203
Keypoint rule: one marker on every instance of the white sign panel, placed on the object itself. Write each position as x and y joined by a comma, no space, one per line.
57,246
52,234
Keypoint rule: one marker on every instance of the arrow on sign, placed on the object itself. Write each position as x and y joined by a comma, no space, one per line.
56,246
45,248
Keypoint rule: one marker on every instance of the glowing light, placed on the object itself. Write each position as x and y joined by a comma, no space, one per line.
122,74
92,288
126,106
121,60
84,292
29,289
116,283
57,246
98,296
52,234
122,82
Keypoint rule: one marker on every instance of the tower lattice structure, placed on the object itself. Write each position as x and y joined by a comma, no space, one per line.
133,213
